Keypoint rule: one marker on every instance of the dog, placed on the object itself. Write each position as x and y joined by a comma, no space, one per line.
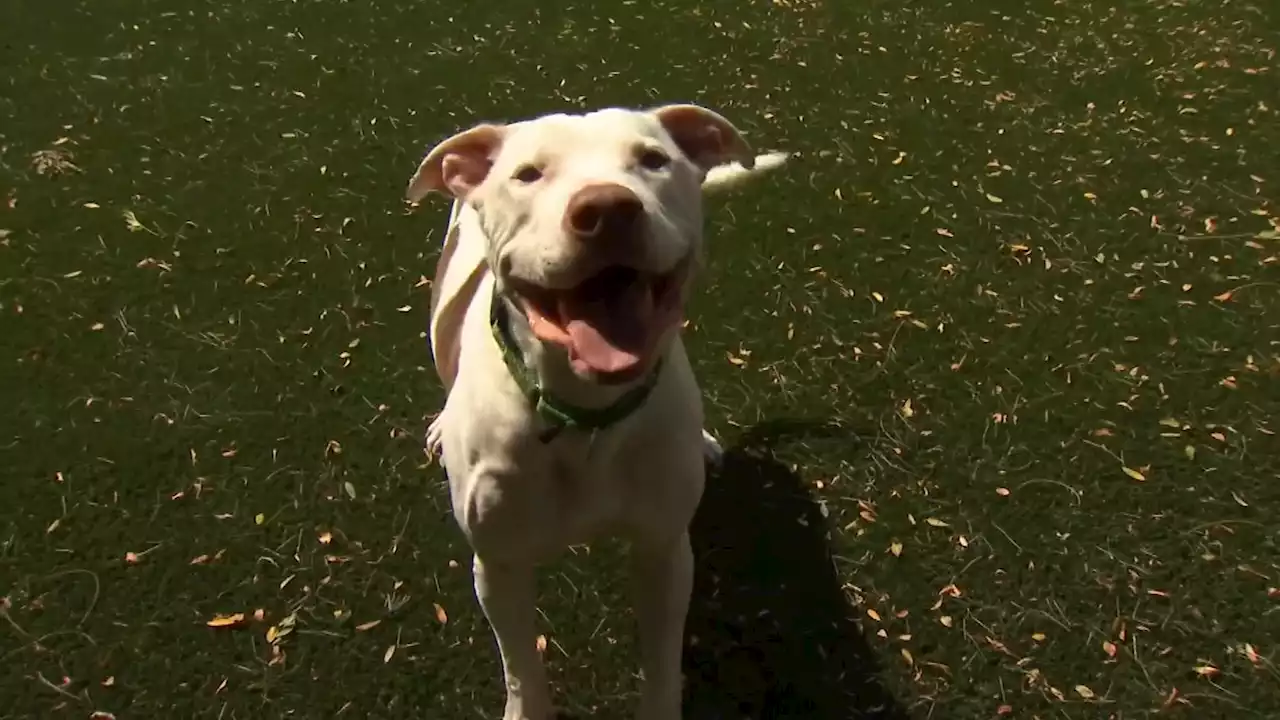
571,409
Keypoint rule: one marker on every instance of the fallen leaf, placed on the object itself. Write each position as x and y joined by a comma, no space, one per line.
873,614
896,549
1223,297
906,655
132,558
1252,654
994,198
906,409
131,221
1134,474
441,616
386,656
220,621
541,643
1207,671
1002,491
1038,637
1004,710
935,522
1085,692
326,538
259,519
1109,648
946,621
362,627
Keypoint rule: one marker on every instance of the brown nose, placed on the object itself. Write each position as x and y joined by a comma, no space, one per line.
603,211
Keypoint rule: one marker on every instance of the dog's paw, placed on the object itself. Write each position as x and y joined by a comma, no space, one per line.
434,443
711,450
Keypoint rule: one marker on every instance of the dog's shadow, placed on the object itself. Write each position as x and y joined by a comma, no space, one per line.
770,633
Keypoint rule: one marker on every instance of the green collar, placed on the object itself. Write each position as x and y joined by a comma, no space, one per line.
559,415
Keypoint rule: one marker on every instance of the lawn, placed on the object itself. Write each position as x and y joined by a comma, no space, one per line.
997,359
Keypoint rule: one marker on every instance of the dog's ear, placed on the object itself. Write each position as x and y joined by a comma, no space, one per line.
457,165
705,136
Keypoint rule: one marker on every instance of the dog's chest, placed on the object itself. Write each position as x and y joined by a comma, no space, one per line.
586,486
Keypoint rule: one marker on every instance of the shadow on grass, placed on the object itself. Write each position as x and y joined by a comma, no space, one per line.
770,633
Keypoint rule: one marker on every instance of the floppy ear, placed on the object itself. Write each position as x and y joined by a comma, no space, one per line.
457,165
706,137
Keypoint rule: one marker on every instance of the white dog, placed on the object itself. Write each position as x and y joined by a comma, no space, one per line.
572,409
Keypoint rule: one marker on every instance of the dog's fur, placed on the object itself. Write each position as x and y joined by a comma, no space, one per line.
519,497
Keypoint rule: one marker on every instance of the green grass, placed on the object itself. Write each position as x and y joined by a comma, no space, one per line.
1027,246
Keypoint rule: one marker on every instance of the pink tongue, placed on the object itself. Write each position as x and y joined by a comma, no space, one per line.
611,334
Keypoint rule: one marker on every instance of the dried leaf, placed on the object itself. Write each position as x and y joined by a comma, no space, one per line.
1134,474
441,616
1223,297
935,522
541,643
1085,692
1207,671
221,621
896,549
362,627
906,655
946,621
386,656
326,537
871,613
1252,654
1002,491
259,519
1109,648
994,198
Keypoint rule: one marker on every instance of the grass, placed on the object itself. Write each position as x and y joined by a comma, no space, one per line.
996,359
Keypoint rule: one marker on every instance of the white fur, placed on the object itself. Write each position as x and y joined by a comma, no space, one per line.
519,500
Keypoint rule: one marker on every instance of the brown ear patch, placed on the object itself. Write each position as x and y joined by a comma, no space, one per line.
457,165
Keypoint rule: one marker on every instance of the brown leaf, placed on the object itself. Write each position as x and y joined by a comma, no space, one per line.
1109,648
1134,474
441,616
364,626
221,621
1207,671
1223,297
896,549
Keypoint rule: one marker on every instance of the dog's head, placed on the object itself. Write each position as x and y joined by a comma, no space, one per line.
594,222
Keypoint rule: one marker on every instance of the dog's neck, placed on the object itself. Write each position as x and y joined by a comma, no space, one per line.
550,365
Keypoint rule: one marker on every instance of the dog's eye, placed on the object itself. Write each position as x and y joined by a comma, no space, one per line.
651,159
528,174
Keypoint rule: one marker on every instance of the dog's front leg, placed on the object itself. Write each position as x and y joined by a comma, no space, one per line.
507,594
663,579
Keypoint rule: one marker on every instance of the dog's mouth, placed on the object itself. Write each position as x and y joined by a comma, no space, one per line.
610,323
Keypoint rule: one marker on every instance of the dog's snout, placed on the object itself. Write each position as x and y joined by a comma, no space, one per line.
603,211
